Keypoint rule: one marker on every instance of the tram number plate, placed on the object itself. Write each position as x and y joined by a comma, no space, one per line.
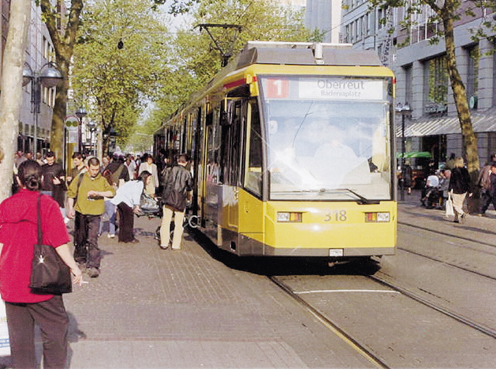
336,252
336,216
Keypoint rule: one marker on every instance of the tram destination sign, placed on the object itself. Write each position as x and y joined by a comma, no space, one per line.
322,88
340,89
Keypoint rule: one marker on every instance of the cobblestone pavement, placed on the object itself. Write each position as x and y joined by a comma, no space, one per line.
153,308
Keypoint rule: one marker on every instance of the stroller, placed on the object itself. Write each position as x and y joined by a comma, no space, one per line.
150,207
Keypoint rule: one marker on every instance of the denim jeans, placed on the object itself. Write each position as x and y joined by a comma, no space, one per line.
110,213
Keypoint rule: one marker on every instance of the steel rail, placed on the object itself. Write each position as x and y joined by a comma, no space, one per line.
447,234
443,261
479,327
367,354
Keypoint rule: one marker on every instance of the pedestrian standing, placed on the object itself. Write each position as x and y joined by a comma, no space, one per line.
177,185
127,200
18,234
54,183
459,186
484,183
78,162
86,205
148,165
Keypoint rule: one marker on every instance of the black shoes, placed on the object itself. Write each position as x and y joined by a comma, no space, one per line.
93,272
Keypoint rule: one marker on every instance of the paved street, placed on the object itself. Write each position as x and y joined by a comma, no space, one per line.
154,308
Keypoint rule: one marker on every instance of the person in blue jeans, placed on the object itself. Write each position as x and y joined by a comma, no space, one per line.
110,214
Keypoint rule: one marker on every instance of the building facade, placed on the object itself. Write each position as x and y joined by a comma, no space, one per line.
39,52
422,77
325,17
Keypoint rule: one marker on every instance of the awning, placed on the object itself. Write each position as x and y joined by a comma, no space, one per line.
431,126
414,154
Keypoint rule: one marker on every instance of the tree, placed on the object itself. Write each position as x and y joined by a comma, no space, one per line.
63,43
11,83
448,12
120,63
195,60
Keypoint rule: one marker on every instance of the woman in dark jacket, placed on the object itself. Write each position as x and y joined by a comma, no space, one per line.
459,186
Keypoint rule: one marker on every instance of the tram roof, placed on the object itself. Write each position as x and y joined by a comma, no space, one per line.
305,53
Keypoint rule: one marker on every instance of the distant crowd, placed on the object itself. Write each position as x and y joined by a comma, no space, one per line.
452,183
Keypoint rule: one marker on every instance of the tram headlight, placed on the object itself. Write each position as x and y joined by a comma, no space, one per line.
289,217
377,217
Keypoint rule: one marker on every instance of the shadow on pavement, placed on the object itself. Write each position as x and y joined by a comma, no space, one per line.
278,266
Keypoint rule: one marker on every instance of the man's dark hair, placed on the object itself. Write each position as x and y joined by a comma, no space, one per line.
77,155
50,154
93,161
183,158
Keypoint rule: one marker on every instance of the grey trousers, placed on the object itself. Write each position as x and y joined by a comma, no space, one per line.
53,321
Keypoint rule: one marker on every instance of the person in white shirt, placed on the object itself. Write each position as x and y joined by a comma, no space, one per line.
128,199
148,165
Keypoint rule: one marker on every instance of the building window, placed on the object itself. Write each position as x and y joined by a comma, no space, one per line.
472,76
436,86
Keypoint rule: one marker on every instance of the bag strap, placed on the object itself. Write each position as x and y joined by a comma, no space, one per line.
38,213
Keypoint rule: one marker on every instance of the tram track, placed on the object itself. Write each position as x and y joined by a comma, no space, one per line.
472,271
492,245
362,350
458,317
359,347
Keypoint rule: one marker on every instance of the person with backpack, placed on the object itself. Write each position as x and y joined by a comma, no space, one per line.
85,200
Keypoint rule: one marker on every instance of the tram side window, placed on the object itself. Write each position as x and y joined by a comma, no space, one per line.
253,171
231,142
214,143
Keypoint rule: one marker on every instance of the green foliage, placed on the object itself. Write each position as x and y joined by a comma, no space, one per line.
120,61
196,58
176,7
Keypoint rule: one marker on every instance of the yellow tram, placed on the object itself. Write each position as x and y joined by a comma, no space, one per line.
292,147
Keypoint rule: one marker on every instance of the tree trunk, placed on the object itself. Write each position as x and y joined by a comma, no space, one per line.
11,86
460,96
63,45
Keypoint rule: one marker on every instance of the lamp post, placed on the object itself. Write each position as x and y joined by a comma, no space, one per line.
92,126
49,75
80,113
404,110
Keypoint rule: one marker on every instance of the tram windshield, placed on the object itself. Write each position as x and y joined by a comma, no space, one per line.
328,138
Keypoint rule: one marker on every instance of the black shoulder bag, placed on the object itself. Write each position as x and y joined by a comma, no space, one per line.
49,274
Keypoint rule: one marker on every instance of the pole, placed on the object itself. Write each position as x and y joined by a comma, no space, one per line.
402,195
35,100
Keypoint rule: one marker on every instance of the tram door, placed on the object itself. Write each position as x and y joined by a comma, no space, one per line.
231,149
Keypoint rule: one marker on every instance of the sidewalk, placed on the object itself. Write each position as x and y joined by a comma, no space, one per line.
478,228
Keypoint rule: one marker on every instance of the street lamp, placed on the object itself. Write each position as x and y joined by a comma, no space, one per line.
404,110
49,75
92,127
80,113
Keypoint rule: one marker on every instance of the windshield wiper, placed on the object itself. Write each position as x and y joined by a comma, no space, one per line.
363,200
